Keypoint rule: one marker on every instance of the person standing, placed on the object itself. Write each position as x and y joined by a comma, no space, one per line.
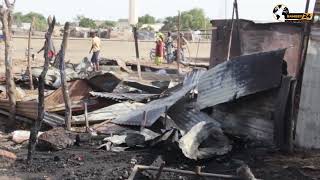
169,48
159,50
95,48
51,50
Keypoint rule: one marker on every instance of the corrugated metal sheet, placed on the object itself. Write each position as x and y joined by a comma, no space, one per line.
107,113
308,125
29,110
144,86
239,77
125,96
156,108
78,91
185,116
250,116
105,82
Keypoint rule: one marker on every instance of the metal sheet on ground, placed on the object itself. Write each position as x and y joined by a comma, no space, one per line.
156,108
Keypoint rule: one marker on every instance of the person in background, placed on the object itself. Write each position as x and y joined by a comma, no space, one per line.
159,49
51,50
169,48
95,48
183,44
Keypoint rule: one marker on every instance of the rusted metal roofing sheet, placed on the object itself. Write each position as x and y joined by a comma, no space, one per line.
107,113
156,108
124,96
241,76
29,110
78,91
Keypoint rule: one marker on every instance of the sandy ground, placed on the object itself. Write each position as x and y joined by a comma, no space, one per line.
79,48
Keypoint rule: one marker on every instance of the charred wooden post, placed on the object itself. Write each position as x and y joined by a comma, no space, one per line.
38,122
64,84
178,43
7,20
29,54
136,45
231,33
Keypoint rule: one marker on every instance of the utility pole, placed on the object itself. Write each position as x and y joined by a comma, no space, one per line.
133,21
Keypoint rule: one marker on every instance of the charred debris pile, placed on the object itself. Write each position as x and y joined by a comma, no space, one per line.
200,112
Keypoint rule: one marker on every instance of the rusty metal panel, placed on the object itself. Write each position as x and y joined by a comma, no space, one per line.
258,37
156,108
125,96
241,76
308,124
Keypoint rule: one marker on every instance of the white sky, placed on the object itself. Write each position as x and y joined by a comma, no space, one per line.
66,10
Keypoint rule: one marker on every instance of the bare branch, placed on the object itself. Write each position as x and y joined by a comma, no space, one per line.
10,5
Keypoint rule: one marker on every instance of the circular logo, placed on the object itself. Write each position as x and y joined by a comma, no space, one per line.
280,12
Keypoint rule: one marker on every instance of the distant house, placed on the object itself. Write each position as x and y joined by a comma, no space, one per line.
155,27
123,24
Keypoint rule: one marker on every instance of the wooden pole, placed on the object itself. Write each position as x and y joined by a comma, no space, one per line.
179,44
231,33
136,44
64,83
29,54
86,116
6,14
160,171
38,122
238,23
137,168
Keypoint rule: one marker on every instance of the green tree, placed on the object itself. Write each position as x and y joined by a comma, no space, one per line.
146,19
108,24
193,19
87,22
40,23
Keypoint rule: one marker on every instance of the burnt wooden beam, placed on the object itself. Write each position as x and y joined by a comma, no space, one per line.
41,112
7,20
64,84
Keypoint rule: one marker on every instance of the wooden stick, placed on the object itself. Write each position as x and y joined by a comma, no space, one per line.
64,83
86,116
144,120
38,122
137,168
166,117
179,44
231,33
135,34
29,54
160,171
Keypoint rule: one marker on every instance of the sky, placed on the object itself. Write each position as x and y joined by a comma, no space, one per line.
67,10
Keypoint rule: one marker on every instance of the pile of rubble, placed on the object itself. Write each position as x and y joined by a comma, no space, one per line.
199,111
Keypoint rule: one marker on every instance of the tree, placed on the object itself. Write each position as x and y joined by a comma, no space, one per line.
40,23
193,19
146,19
108,24
87,22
